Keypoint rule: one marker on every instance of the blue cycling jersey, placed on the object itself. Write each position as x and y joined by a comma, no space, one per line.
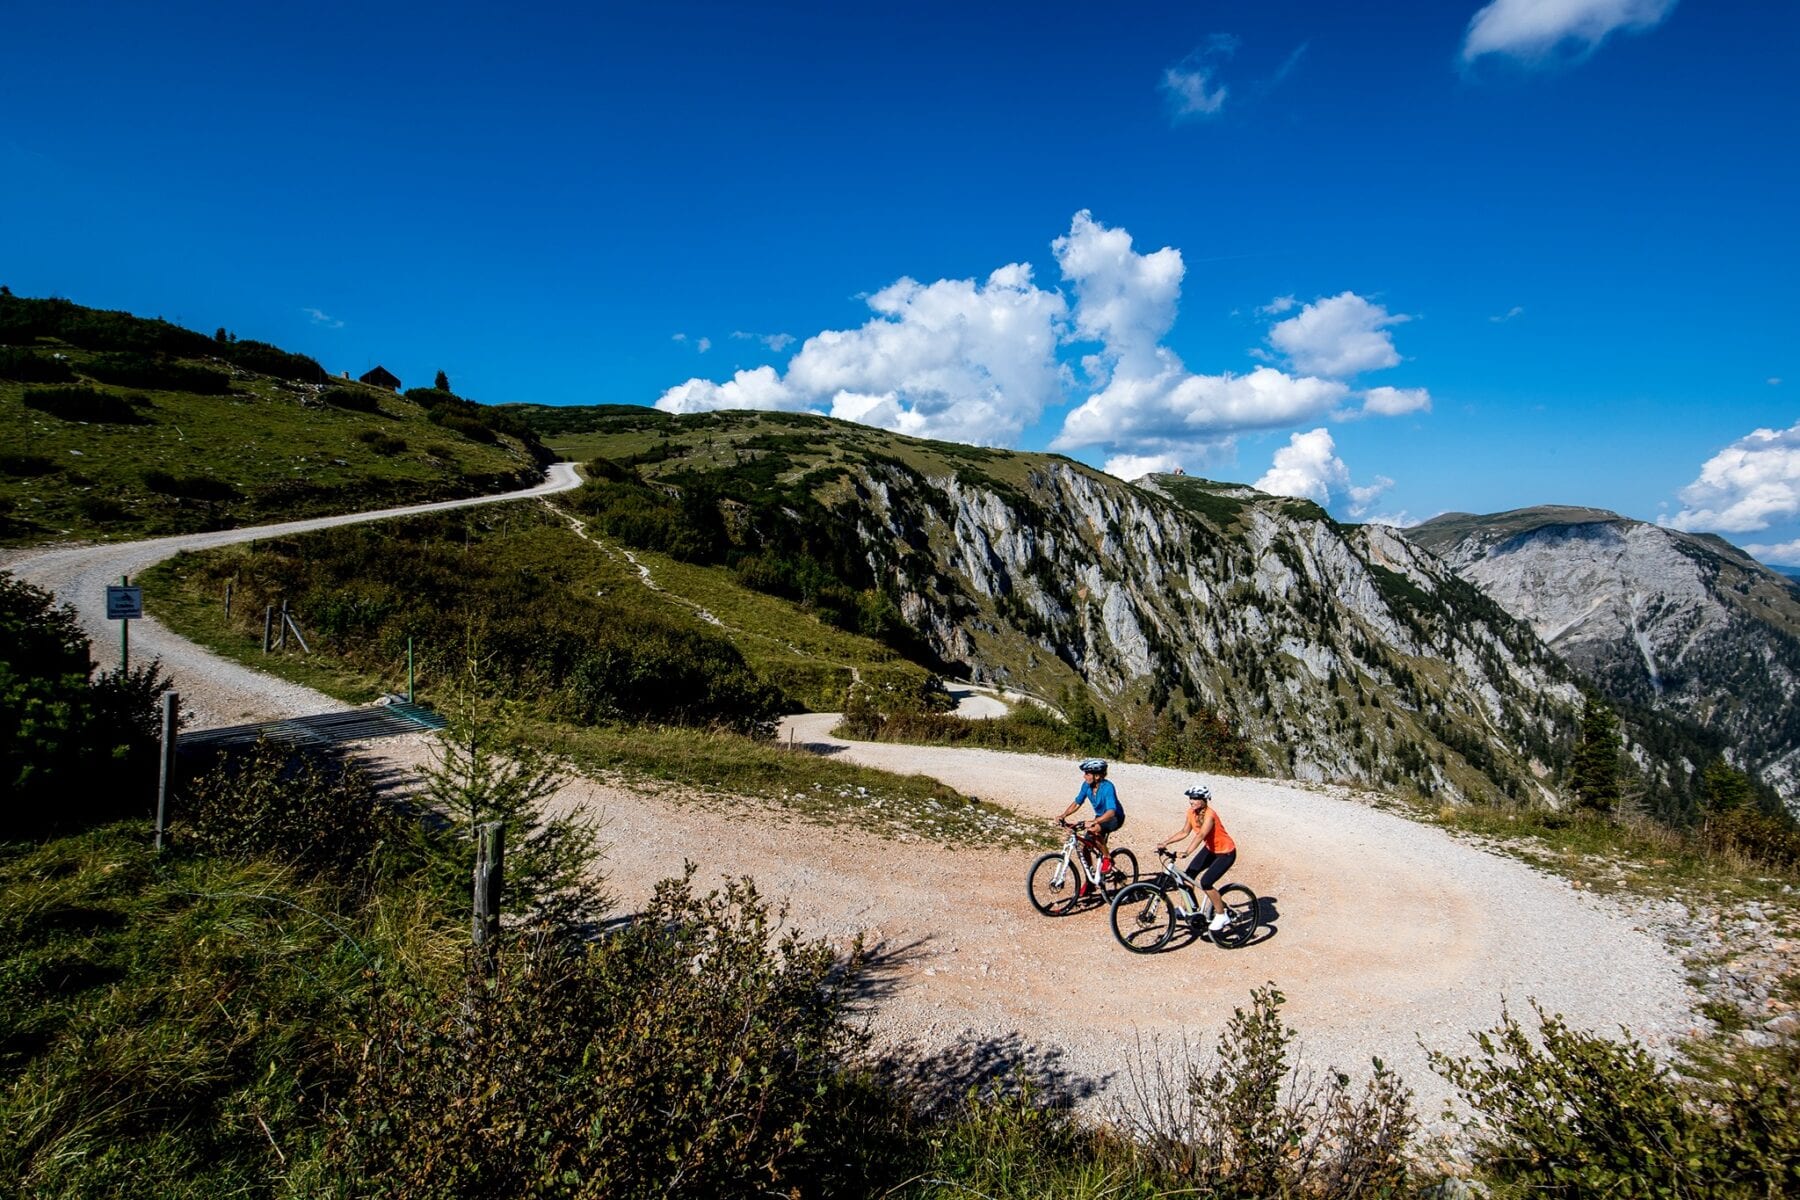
1101,796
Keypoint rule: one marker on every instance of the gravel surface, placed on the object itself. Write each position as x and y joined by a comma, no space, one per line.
1389,938
213,690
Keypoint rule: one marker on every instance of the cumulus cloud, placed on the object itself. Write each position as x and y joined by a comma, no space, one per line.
1308,467
1785,554
1340,336
955,359
323,318
1395,402
1279,305
1750,484
1136,466
1532,29
1190,87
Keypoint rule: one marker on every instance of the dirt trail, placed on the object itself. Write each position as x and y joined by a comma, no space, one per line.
1383,934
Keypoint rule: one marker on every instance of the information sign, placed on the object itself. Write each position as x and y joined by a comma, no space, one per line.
124,603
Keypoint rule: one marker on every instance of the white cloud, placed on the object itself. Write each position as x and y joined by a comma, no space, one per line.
1279,305
1746,486
1136,466
1339,336
1774,381
322,318
955,359
1308,466
774,341
703,345
1173,407
1399,520
1395,402
1190,88
1509,314
1785,554
1531,29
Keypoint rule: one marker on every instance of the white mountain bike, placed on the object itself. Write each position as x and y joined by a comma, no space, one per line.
1144,914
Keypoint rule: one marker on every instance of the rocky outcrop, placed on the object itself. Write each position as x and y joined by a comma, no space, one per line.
1684,625
1342,653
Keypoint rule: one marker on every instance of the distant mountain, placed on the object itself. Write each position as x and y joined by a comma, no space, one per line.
1683,624
1339,653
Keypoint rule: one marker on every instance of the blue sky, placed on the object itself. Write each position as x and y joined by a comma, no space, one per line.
1403,258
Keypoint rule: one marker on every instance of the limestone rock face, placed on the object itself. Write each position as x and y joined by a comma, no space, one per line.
1683,624
1341,653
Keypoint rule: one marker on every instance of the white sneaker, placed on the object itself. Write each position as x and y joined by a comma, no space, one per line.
1219,921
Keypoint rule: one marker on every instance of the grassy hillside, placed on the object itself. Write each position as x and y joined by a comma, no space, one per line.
114,426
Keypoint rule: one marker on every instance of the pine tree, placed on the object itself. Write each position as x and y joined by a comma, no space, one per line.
441,383
1596,774
1722,788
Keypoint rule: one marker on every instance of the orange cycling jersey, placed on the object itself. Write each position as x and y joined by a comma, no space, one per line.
1217,840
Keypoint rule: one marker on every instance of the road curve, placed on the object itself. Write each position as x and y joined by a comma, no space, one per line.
213,690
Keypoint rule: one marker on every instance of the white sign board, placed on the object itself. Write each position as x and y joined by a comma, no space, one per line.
124,603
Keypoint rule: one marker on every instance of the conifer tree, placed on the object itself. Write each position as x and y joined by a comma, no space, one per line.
441,383
1596,774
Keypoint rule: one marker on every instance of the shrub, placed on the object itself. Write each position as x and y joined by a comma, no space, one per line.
25,466
189,487
83,403
265,359
73,748
1249,1126
1567,1113
691,1054
101,510
354,399
385,444
304,808
26,367
143,371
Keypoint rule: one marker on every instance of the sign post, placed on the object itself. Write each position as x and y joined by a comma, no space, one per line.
124,604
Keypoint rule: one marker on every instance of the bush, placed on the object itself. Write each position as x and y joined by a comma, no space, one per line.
26,367
83,403
25,466
303,808
1566,1113
265,359
384,444
691,1054
189,487
73,748
143,371
354,399
1250,1126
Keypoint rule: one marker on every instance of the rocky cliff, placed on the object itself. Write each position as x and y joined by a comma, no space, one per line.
1683,624
1337,652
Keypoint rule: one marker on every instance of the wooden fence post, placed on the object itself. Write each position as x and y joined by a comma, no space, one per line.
171,704
228,588
490,870
268,623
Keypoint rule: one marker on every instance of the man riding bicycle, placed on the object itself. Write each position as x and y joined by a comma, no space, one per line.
1201,827
1109,814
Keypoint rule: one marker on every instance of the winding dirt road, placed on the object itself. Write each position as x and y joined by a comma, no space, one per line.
1388,937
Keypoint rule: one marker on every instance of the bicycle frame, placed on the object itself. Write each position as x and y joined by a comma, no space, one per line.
1082,849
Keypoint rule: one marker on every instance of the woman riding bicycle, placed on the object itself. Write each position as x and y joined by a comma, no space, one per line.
1109,814
1202,828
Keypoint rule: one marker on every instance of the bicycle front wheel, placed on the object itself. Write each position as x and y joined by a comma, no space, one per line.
1241,907
1143,918
1053,887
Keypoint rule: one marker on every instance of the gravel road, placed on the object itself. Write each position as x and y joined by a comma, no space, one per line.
213,690
1388,937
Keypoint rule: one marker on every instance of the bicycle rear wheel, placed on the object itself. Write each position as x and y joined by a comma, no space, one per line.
1241,907
1124,871
1053,889
1143,918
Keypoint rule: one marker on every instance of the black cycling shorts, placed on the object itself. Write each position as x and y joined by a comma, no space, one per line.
1215,866
1113,821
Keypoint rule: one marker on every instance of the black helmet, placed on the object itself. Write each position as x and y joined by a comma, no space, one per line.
1095,765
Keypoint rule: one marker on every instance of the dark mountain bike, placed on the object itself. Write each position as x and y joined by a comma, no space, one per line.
1059,881
1144,914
